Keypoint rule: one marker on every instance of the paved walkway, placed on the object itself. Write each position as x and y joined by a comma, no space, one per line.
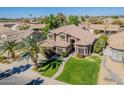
21,73
111,72
61,67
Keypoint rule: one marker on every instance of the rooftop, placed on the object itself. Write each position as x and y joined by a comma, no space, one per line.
84,36
13,34
107,27
117,41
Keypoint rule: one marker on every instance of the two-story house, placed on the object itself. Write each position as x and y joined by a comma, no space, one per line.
70,38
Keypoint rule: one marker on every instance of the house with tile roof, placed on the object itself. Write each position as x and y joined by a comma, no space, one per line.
108,29
116,46
7,33
70,38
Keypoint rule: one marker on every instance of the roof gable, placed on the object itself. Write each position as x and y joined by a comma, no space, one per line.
84,36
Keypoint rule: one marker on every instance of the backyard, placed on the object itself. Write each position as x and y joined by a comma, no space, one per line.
81,71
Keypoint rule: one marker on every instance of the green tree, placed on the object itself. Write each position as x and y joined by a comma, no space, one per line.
82,18
115,17
52,21
45,31
73,20
100,43
30,49
62,18
40,20
118,22
95,20
8,47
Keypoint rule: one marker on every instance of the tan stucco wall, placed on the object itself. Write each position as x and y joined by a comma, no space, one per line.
63,49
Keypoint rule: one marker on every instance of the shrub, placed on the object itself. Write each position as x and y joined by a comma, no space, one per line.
97,31
100,43
63,54
35,69
80,56
24,27
115,17
73,20
48,52
1,59
118,22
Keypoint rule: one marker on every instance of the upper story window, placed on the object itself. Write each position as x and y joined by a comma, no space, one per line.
63,37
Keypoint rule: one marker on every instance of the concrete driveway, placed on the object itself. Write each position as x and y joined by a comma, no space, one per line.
21,73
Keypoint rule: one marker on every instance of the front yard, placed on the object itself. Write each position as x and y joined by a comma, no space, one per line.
82,71
49,68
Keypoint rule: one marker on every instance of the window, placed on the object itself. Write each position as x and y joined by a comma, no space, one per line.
62,37
86,51
80,50
50,36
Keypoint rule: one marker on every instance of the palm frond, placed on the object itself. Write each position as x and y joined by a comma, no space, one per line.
9,46
24,56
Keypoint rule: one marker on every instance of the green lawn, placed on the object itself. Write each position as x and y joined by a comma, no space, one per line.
82,71
50,68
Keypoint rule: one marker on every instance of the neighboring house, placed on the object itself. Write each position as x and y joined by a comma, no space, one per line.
10,34
70,38
116,45
106,29
3,30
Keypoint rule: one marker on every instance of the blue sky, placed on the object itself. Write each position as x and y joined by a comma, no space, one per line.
16,12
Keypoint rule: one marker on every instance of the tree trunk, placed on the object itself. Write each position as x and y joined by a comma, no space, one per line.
13,55
35,62
8,55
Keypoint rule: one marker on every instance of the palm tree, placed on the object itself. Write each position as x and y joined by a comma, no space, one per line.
30,15
10,47
30,49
